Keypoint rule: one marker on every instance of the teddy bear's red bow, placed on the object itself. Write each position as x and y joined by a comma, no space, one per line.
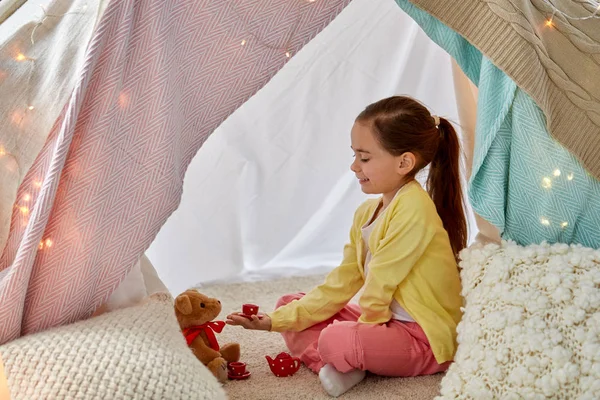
209,328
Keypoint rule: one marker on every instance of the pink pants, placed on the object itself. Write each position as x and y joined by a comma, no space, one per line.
393,349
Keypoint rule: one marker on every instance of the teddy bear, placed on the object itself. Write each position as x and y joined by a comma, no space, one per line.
195,313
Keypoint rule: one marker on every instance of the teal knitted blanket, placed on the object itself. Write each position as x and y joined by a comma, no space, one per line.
523,181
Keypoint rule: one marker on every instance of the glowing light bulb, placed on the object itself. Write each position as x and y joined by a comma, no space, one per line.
37,184
41,245
48,243
243,42
570,176
27,197
20,57
547,183
549,22
287,54
30,108
564,224
123,100
2,152
544,221
557,172
24,210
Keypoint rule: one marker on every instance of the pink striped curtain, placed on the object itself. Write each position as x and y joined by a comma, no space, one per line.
159,77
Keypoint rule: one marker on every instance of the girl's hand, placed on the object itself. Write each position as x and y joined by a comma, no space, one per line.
260,324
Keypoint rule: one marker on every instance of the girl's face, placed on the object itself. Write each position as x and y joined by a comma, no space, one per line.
378,171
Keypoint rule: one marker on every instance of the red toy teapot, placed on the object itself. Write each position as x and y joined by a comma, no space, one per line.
284,364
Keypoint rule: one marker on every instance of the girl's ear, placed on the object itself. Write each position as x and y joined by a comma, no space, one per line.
406,163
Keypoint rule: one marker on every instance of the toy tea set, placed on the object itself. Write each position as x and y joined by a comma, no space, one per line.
195,313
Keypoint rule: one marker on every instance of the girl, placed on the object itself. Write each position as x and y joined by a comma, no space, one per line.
402,252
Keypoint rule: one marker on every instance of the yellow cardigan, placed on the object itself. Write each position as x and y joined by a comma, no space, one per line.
412,262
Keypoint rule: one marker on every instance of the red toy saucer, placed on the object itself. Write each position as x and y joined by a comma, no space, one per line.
239,377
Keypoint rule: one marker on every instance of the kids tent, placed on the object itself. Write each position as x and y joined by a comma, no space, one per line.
107,107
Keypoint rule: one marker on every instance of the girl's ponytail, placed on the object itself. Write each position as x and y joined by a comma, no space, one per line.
444,186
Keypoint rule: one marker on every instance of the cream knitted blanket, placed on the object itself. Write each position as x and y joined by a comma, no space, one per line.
134,353
557,63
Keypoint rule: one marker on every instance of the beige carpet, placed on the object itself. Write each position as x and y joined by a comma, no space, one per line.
304,384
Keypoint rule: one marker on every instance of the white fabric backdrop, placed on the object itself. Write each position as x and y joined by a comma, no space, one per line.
271,192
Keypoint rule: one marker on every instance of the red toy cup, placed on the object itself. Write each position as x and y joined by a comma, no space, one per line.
237,368
250,309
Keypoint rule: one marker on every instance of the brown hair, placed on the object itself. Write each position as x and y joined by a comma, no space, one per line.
401,125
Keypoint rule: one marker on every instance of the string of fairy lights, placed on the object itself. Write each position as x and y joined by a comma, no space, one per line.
29,57
595,12
593,8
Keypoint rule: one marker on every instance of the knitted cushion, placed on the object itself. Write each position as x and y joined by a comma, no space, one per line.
132,353
531,324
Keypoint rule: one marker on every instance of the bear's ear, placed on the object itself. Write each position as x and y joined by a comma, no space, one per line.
183,304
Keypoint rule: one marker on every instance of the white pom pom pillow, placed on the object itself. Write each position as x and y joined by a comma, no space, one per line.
531,324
